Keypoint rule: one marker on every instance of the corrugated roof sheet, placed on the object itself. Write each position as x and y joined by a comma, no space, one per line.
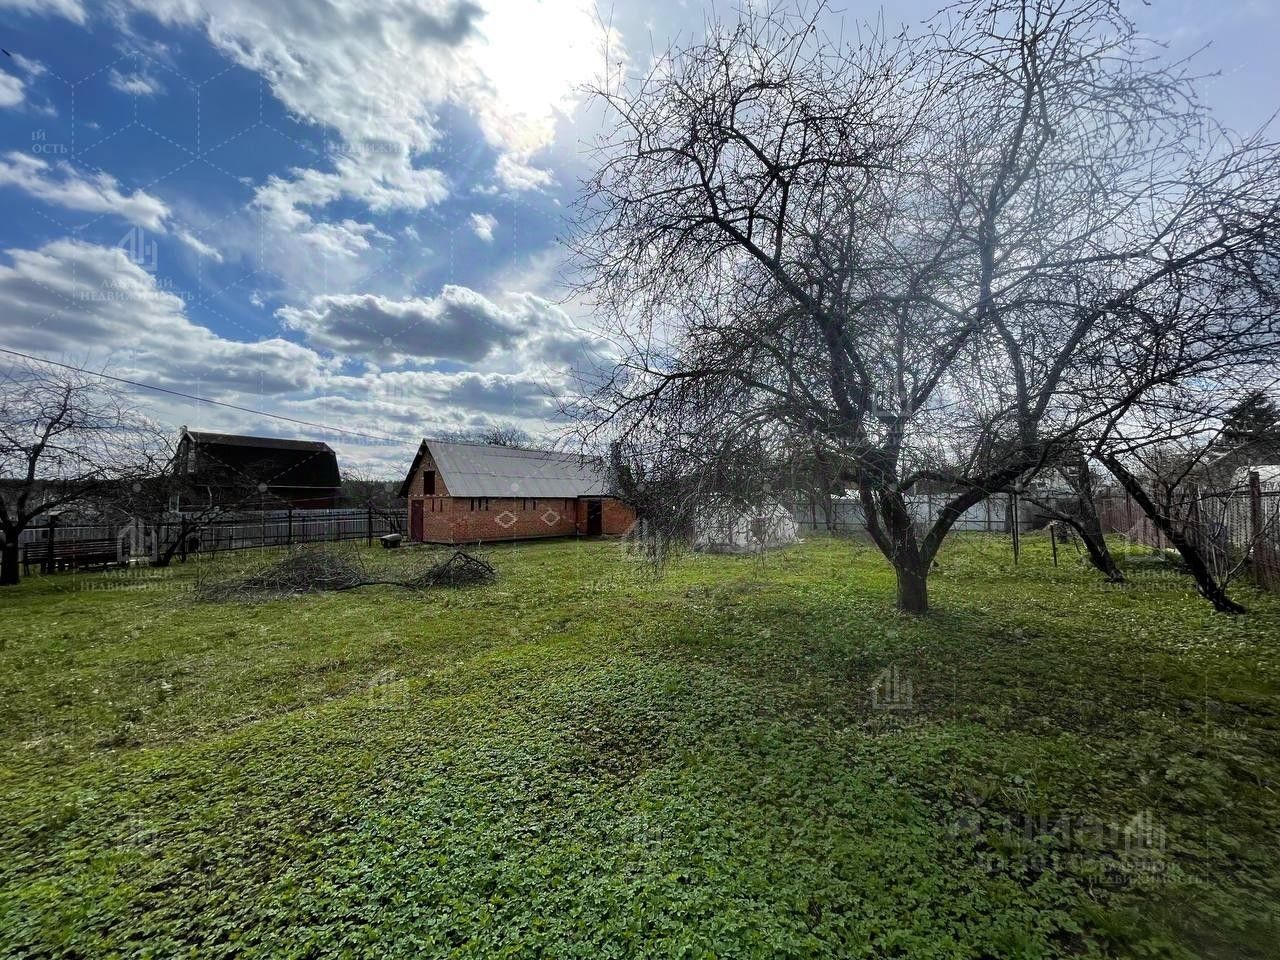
483,470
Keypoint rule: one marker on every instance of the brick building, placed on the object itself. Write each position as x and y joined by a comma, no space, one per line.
471,492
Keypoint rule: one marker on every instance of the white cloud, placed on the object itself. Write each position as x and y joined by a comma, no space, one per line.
378,74
429,401
95,301
69,9
198,245
459,324
136,84
110,311
517,174
382,181
378,71
483,225
524,333
73,293
11,90
32,68
64,186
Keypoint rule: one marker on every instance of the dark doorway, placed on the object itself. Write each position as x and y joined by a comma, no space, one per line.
415,519
595,525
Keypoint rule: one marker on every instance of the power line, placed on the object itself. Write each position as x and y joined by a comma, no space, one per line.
216,403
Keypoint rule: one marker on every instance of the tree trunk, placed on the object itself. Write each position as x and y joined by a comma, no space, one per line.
890,525
1208,586
9,562
1095,543
1090,526
913,589
1099,555
165,557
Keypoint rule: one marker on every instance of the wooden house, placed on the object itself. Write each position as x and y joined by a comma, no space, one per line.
229,469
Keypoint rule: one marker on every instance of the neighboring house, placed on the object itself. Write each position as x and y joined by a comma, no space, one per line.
252,471
472,492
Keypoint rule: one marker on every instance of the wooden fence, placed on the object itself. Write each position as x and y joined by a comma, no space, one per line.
1237,529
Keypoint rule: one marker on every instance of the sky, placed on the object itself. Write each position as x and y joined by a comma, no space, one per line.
346,211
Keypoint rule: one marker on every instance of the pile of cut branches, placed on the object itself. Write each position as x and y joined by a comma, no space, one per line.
308,569
460,569
321,568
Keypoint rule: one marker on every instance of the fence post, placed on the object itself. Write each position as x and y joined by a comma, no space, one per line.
369,527
1256,526
1014,525
53,528
290,527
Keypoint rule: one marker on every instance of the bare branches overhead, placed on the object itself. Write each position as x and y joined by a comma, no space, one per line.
948,255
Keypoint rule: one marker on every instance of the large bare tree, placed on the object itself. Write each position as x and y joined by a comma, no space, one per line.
919,258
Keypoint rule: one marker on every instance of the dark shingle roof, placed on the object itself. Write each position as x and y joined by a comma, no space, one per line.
302,464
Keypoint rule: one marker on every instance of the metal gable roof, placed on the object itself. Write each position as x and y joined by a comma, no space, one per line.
484,470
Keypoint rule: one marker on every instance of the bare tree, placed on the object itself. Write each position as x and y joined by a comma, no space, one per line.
375,495
1159,452
498,434
923,257
64,437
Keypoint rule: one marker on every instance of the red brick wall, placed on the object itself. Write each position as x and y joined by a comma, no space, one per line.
506,518
415,482
451,519
617,517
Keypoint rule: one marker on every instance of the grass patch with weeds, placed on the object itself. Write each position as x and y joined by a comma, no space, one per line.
743,758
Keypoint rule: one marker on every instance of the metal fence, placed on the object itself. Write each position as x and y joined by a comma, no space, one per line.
239,531
844,514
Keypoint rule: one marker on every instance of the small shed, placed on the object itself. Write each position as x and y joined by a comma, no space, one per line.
473,492
724,526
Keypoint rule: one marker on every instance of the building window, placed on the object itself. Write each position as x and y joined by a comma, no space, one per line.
429,483
479,503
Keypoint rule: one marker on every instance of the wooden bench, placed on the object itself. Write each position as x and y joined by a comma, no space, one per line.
73,554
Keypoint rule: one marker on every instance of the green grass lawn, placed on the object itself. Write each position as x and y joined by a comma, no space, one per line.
742,758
